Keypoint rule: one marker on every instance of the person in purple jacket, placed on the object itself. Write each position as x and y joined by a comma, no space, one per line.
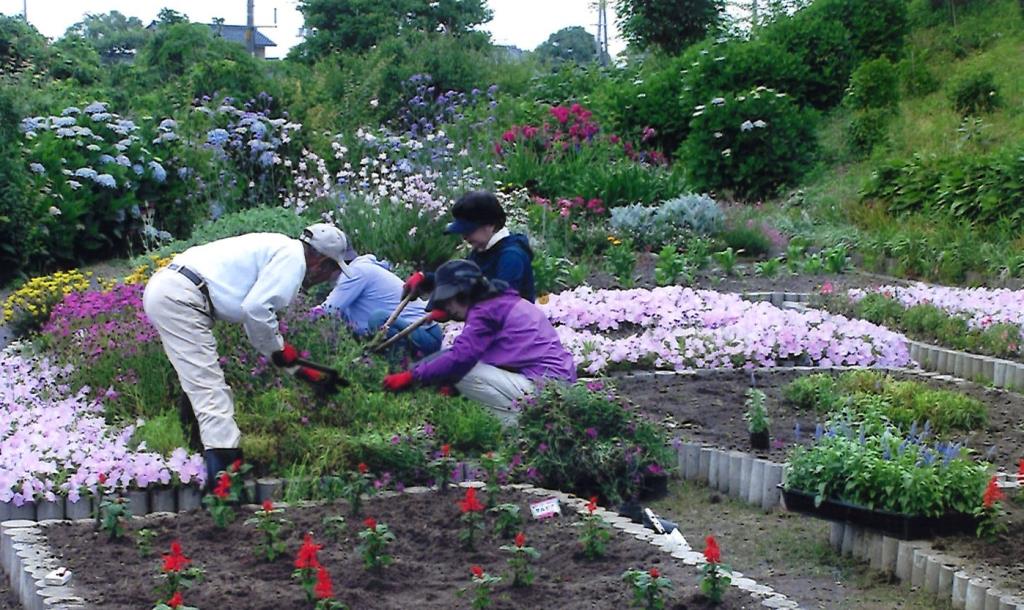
506,348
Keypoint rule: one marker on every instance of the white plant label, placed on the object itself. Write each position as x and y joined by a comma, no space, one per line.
545,508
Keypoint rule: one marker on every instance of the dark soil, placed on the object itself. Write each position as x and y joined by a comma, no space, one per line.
429,569
709,409
1005,551
8,601
744,279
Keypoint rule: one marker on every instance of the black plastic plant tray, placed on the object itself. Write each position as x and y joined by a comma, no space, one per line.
899,525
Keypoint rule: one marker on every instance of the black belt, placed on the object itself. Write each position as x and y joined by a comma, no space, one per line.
196,279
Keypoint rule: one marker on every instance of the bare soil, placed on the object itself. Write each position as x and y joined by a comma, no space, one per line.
8,601
429,570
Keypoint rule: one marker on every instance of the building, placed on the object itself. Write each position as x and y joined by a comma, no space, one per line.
236,33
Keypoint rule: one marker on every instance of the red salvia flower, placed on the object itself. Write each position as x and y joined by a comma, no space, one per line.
362,468
323,588
236,465
102,478
175,561
654,572
477,571
176,600
520,539
1020,468
446,450
370,523
307,554
470,504
992,494
268,506
223,486
711,552
592,505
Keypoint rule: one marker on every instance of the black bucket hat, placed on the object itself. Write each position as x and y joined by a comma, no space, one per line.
473,210
452,279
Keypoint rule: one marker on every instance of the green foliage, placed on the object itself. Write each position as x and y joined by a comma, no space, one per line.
584,440
876,27
916,77
162,433
594,533
726,259
667,25
813,392
748,239
649,588
768,268
884,471
22,236
571,44
982,188
113,513
868,129
757,414
253,220
824,47
621,259
751,144
668,223
549,272
113,35
375,541
671,267
874,84
359,25
974,93
645,96
507,520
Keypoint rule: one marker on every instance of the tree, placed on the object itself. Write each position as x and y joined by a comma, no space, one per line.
358,25
573,44
670,25
113,35
168,16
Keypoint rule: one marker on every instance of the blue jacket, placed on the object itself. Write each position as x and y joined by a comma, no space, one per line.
511,259
367,288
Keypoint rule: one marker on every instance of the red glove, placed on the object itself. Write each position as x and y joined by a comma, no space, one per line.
286,356
438,315
311,375
398,381
412,285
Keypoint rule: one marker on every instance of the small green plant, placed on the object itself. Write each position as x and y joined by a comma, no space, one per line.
622,261
769,268
577,274
522,575
271,526
594,535
306,565
549,272
144,541
114,512
334,526
749,239
472,518
813,265
726,259
175,602
492,464
442,467
716,575
975,93
698,252
649,588
795,255
989,524
757,414
508,519
219,501
482,584
376,537
836,259
360,483
671,266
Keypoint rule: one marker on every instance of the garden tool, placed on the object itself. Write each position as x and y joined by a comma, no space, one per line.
333,379
383,331
403,333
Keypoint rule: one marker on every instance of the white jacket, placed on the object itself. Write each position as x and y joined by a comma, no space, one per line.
251,278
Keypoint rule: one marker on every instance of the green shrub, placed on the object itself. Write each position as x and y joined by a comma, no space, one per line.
814,392
917,78
975,93
751,145
254,220
878,308
22,220
162,434
874,84
876,27
585,441
821,45
748,240
868,129
669,222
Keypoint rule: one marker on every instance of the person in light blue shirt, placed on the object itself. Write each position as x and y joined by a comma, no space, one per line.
366,294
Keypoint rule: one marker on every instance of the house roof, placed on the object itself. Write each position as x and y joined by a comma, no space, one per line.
236,33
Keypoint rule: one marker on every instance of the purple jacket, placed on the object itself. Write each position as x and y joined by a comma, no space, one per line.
507,332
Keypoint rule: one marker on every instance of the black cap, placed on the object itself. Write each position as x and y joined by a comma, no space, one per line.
474,209
452,279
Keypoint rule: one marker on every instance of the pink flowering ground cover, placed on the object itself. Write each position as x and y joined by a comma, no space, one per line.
54,441
980,307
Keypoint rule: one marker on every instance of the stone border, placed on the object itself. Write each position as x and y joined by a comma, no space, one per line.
24,552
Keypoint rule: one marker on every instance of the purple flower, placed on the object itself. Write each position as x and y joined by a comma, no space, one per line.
542,448
655,469
428,430
591,433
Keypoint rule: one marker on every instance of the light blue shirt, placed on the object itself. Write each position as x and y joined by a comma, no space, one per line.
368,288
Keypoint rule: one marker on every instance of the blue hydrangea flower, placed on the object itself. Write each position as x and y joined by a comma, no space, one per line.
159,173
217,137
32,124
101,117
168,124
123,161
137,169
266,159
95,107
70,110
183,172
106,180
86,172
105,159
37,168
64,121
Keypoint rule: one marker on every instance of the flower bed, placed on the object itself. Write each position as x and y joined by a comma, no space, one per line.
55,442
679,328
430,566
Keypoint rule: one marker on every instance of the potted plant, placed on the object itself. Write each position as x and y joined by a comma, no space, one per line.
757,419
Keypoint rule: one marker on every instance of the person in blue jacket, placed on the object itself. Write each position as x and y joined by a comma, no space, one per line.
500,254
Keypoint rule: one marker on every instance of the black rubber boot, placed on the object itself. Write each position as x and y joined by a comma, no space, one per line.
217,461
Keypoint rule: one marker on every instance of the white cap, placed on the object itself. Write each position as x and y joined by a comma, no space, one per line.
330,241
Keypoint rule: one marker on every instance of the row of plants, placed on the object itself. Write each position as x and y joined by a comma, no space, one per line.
979,320
876,395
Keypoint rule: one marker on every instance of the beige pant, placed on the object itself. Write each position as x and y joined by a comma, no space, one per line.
180,314
497,389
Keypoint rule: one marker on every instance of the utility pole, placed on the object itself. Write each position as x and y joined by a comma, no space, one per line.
24,10
250,28
602,31
753,15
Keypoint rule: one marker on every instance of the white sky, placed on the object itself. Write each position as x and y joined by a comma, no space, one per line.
523,23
